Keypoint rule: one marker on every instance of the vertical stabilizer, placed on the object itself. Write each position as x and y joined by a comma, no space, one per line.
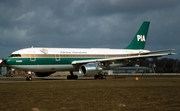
139,39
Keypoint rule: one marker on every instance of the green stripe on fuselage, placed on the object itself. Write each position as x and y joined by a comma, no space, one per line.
43,61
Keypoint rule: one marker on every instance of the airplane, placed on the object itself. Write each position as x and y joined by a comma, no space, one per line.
87,61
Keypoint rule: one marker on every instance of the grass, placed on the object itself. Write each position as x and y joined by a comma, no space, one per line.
90,95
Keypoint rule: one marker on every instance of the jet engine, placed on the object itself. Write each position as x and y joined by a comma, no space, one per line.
90,69
43,74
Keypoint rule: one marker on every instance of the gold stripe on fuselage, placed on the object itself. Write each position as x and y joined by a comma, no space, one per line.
75,55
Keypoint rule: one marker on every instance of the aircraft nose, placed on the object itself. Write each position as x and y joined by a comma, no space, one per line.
6,61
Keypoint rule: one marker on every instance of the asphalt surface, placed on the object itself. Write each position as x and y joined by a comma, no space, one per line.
110,78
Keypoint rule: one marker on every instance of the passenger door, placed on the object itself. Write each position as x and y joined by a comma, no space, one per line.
57,56
32,56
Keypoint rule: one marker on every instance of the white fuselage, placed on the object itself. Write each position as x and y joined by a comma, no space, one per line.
60,59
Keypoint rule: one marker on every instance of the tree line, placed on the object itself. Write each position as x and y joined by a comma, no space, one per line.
163,65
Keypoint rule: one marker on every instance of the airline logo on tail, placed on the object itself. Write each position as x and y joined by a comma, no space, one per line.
141,38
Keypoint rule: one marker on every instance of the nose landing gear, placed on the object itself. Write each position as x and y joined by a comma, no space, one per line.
28,76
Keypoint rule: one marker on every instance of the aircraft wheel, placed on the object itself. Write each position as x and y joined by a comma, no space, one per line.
103,76
72,77
96,76
28,78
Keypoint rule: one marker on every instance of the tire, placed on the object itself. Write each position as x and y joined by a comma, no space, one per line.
72,77
96,76
30,78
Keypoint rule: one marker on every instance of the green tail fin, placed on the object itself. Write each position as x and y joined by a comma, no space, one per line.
139,40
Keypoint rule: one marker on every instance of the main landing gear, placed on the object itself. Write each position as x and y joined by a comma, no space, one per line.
100,75
72,76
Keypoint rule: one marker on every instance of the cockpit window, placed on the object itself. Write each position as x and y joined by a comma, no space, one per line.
15,55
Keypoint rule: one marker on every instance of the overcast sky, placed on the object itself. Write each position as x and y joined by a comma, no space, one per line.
87,24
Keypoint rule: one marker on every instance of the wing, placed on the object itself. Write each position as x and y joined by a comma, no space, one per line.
121,59
157,51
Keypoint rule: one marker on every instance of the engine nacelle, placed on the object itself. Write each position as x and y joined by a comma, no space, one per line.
90,69
43,74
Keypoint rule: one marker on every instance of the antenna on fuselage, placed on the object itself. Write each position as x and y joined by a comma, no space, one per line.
32,47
